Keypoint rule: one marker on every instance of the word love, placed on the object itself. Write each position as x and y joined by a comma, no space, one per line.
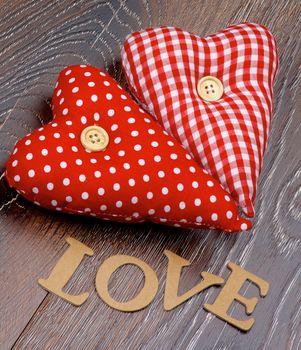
69,262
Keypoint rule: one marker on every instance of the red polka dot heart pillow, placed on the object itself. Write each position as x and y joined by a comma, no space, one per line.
104,156
213,94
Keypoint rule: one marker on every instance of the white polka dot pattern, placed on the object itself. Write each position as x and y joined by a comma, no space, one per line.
143,174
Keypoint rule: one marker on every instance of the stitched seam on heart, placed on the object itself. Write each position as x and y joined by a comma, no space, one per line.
98,214
101,215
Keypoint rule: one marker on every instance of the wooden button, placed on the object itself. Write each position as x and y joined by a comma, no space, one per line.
94,138
210,88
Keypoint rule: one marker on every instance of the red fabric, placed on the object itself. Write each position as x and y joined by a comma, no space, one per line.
143,174
228,137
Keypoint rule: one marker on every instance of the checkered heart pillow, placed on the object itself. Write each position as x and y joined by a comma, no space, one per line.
213,94
104,156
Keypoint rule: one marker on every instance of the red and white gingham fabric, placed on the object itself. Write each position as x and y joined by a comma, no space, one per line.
228,137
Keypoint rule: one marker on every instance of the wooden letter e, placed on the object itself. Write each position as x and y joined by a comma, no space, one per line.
230,293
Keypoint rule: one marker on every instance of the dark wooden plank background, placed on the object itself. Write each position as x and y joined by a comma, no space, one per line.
37,39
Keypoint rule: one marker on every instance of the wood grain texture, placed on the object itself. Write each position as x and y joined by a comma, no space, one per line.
39,38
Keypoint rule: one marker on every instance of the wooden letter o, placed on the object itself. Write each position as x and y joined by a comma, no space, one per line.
144,297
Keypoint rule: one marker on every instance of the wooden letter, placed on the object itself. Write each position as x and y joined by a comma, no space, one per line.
145,296
64,269
230,293
175,264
